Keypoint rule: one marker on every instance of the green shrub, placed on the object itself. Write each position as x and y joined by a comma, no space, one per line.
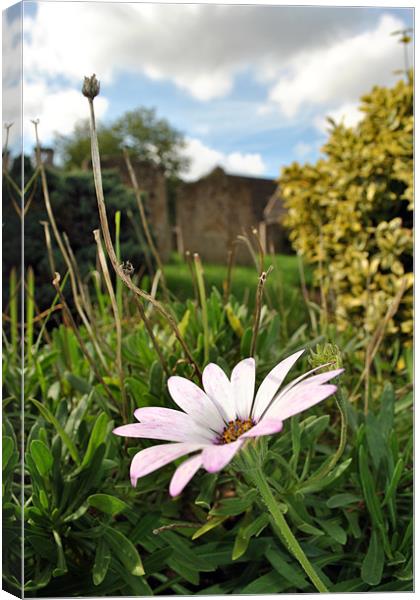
73,202
351,212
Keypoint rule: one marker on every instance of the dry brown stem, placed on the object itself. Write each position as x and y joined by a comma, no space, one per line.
110,248
56,284
144,222
118,328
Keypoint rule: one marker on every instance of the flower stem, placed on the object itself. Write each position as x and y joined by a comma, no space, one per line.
284,530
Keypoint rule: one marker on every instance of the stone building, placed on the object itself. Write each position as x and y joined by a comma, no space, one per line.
212,211
150,179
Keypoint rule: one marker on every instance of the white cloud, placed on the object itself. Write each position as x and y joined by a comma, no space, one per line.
340,72
348,114
204,159
201,48
11,75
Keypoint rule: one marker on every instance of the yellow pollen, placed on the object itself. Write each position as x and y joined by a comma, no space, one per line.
234,429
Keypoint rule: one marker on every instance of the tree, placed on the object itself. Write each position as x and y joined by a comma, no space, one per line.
352,212
141,131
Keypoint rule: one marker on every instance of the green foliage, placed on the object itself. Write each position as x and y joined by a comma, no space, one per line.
351,212
88,532
73,201
148,138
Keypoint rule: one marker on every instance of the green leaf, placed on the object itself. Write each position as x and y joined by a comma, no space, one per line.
42,457
378,448
373,562
97,437
211,524
183,552
316,428
234,506
240,546
7,450
61,567
76,514
386,414
184,570
48,416
296,432
156,379
287,570
342,500
334,530
125,551
79,384
154,562
208,484
315,485
43,499
270,583
107,504
246,342
256,526
393,484
102,560
369,492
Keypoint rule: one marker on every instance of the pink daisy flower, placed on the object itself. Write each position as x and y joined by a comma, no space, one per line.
216,423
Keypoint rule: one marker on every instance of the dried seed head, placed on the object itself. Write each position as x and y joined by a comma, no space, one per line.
91,87
127,268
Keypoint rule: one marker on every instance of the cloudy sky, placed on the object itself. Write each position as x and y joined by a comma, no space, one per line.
249,86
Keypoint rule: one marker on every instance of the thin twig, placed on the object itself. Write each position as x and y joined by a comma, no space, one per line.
377,339
261,256
203,302
176,526
96,164
258,305
63,251
305,294
227,284
56,284
118,328
152,336
144,222
50,254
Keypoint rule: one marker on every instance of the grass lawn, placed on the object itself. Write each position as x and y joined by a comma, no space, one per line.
283,284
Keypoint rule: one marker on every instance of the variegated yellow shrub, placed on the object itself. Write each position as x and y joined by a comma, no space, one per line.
351,213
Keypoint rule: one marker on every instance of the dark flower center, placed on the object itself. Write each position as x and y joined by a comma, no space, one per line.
234,429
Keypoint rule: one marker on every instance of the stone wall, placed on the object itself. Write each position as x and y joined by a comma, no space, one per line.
212,211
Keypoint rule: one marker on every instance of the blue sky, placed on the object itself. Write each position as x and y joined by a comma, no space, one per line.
249,86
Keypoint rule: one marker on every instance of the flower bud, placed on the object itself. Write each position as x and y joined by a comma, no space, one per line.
326,353
91,87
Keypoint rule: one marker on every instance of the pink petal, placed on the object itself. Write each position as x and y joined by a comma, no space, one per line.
195,403
243,384
218,387
218,456
184,474
271,384
171,418
299,399
298,379
264,427
322,377
155,430
153,458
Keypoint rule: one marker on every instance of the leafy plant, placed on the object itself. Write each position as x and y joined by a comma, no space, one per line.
351,213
